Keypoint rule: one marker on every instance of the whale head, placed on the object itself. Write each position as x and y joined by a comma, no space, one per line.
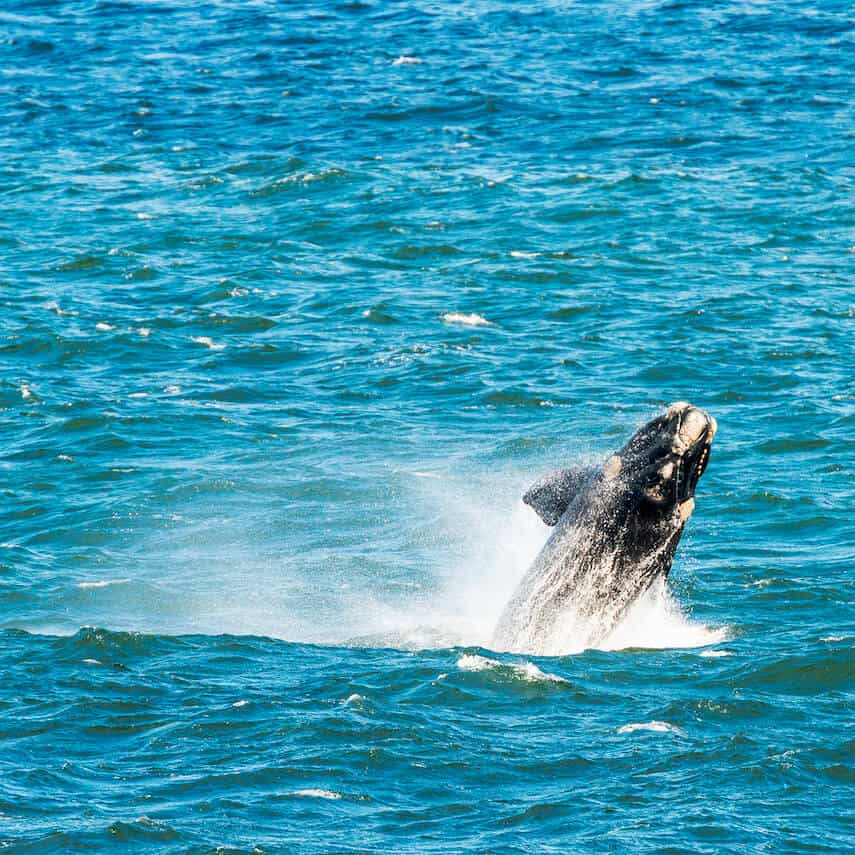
664,460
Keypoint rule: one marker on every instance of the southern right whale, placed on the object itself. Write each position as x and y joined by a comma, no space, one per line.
617,527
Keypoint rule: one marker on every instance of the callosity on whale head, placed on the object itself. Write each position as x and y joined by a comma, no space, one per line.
617,527
665,459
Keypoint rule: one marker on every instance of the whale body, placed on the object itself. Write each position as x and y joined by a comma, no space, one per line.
616,529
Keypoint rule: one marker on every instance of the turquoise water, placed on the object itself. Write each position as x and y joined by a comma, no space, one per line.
297,301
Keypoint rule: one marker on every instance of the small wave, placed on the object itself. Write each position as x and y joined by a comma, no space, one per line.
471,320
516,253
101,326
241,703
407,60
654,726
834,638
715,654
526,670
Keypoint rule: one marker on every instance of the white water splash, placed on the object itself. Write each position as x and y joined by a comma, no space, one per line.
476,541
498,541
656,621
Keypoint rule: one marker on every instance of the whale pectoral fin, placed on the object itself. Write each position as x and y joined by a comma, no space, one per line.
552,495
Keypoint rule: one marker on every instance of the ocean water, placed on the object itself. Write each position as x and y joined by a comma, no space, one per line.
297,300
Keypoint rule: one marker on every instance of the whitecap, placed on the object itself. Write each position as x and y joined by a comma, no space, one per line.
516,253
26,392
532,672
833,638
654,726
102,583
240,703
207,341
172,389
473,662
318,794
354,699
526,670
470,320
145,332
143,216
104,327
715,654
55,307
407,60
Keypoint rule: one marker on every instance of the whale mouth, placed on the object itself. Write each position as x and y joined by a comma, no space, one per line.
695,435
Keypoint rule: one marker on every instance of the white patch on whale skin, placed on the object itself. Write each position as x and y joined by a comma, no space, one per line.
612,467
692,426
685,509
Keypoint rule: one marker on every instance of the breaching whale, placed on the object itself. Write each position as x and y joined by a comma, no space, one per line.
617,527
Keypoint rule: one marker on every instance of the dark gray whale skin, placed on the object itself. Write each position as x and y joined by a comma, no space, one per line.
617,527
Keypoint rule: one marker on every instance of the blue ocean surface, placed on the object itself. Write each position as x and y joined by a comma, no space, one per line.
297,301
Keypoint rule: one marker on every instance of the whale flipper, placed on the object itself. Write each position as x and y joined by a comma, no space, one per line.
552,494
